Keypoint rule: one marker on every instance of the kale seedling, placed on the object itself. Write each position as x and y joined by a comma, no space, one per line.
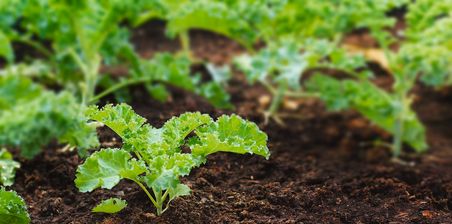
153,157
280,66
425,51
12,208
390,111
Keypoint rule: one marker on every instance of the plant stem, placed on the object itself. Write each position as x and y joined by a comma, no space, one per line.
399,128
138,155
397,142
168,202
298,94
38,46
118,86
145,17
146,191
89,69
184,39
159,206
165,195
91,80
277,98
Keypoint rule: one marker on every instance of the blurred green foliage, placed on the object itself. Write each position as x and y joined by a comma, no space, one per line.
31,117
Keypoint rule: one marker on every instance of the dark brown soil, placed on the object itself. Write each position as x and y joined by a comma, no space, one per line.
323,169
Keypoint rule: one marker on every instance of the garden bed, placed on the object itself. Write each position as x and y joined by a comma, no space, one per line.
323,169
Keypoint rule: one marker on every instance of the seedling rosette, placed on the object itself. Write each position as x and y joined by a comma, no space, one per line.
153,157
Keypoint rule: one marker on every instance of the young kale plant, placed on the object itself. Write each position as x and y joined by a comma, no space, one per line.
153,157
280,66
388,110
12,208
423,52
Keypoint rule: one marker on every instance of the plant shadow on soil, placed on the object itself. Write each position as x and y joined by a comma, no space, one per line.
323,169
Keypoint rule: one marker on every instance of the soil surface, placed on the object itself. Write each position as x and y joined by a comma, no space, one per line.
324,166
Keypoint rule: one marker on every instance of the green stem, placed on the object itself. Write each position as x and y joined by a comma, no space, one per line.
145,17
38,46
277,98
89,71
90,82
159,206
184,39
397,142
300,94
399,127
118,86
146,191
165,195
138,155
168,202
296,94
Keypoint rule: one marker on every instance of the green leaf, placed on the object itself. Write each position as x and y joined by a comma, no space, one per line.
299,20
427,48
157,91
374,103
110,206
14,89
179,190
236,19
177,129
166,170
120,118
105,168
231,134
279,62
169,69
8,168
219,74
214,16
12,208
215,94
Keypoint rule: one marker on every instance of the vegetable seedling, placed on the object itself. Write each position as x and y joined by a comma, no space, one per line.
153,157
424,52
280,68
12,208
